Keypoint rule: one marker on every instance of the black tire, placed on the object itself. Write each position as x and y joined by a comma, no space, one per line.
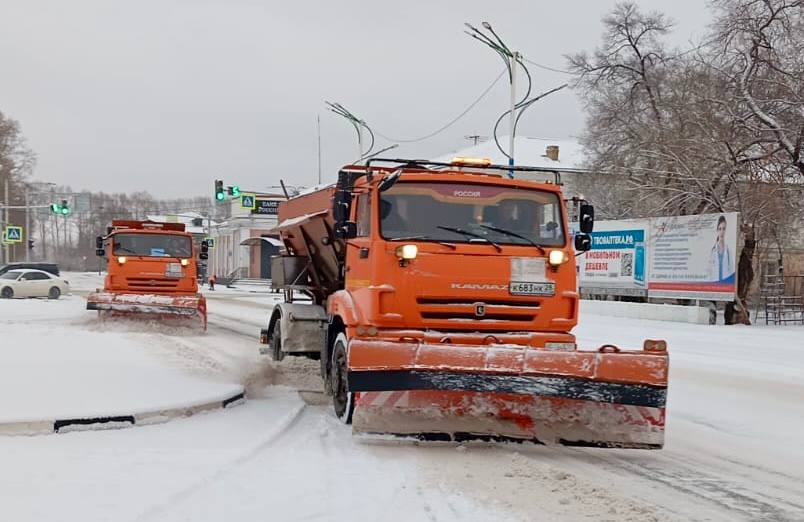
54,293
7,293
342,399
276,342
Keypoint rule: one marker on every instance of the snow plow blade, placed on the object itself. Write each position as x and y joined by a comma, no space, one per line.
162,306
601,398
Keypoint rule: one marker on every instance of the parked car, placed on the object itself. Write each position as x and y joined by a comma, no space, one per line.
52,268
32,283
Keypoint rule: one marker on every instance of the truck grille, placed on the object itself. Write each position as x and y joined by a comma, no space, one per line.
462,309
152,284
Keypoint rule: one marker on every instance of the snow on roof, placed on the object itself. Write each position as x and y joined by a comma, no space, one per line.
531,152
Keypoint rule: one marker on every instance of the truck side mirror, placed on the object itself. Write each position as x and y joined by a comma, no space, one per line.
341,205
346,230
583,242
587,218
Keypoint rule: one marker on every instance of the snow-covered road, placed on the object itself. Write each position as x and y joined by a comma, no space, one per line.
734,441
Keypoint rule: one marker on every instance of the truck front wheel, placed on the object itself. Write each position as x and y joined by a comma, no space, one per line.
276,342
342,398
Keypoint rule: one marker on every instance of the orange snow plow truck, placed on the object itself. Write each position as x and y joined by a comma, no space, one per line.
152,272
440,299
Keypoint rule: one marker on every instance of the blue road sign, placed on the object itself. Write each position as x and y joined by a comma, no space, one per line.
248,201
13,234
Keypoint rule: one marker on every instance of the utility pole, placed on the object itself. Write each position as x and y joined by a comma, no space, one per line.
6,258
318,125
512,119
27,234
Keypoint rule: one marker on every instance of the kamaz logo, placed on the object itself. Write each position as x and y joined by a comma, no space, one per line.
477,286
466,193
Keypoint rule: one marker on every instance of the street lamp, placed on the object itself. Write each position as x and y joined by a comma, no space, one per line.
512,59
358,125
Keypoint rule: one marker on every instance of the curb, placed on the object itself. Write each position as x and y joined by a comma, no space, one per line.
146,418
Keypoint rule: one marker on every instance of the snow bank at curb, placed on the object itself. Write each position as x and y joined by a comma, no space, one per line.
655,312
142,418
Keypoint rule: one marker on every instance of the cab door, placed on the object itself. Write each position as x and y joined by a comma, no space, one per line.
358,249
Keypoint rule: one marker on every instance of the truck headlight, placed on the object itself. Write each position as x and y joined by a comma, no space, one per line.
185,262
121,260
556,258
407,252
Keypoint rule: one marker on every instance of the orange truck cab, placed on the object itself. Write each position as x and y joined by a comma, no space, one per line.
441,298
151,270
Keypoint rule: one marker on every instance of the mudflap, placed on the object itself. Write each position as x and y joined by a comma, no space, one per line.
162,307
601,398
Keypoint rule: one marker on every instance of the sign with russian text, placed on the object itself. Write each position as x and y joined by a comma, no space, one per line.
694,257
266,206
617,262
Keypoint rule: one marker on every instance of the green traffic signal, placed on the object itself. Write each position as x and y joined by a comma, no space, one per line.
55,208
235,191
220,195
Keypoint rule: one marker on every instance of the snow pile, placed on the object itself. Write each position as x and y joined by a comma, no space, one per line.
53,367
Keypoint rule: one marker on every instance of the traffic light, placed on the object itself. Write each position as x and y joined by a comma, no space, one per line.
30,244
220,195
234,191
60,209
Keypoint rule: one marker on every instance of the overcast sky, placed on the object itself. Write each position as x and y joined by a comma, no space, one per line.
167,95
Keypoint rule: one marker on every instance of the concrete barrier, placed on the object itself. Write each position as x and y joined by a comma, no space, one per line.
653,312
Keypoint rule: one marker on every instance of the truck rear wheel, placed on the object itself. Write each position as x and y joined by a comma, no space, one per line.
342,398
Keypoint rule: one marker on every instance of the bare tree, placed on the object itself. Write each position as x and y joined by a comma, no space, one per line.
704,130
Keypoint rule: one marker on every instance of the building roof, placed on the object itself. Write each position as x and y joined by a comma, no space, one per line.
528,151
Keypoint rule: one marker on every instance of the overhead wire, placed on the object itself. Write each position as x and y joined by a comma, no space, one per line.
452,121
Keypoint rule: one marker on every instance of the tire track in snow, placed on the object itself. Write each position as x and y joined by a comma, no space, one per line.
695,482
287,424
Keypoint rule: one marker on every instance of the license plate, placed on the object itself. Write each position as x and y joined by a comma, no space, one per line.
531,288
174,270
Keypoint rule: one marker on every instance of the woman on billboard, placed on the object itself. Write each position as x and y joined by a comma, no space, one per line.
721,261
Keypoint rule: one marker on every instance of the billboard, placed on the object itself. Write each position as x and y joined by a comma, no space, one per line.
617,262
693,257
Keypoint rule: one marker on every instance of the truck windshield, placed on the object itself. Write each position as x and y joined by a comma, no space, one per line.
152,245
503,215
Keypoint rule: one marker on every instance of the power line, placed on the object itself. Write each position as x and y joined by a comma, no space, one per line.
547,68
451,122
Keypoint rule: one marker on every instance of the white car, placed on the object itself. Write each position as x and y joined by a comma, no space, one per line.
27,282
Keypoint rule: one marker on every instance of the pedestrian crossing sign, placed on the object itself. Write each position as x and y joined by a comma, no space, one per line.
248,201
210,242
12,234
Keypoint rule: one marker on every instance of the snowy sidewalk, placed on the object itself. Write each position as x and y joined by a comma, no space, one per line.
56,364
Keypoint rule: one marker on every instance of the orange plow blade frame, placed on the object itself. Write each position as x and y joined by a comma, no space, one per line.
606,397
168,306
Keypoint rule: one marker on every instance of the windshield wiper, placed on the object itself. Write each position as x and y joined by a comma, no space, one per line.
424,237
514,234
470,234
